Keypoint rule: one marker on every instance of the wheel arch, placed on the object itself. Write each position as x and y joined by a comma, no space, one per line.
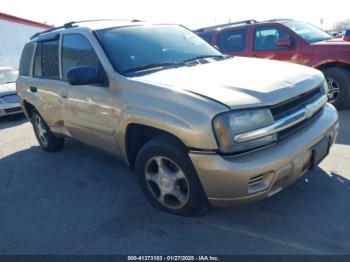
137,135
28,108
337,64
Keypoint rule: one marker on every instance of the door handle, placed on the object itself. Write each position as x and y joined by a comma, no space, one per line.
64,95
33,89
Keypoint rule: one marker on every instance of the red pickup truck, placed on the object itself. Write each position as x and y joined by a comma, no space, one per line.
290,41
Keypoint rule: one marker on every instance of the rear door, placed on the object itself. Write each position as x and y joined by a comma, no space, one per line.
88,109
265,44
45,85
233,42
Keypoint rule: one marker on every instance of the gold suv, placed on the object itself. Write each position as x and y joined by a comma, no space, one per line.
196,126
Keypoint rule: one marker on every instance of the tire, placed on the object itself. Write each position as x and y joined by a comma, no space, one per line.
45,137
174,159
338,77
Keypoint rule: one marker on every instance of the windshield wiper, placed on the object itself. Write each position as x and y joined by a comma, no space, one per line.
154,66
205,56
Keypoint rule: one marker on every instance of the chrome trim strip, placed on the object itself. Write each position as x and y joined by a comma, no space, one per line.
288,121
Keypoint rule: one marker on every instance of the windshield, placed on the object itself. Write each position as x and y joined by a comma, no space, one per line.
308,32
136,47
8,76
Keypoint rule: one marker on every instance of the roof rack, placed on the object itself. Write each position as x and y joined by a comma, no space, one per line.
74,24
279,19
247,22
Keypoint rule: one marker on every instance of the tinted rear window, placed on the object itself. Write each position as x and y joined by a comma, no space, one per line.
46,60
232,41
26,59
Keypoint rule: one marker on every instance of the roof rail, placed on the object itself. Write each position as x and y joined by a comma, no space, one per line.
74,24
279,19
251,21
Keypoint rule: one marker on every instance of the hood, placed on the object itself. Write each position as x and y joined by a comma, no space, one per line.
7,89
240,82
338,43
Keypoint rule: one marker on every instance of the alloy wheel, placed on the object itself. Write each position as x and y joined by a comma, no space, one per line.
167,182
333,90
41,130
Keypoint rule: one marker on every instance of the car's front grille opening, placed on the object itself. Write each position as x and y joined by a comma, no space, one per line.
257,183
291,106
289,131
256,180
288,107
12,110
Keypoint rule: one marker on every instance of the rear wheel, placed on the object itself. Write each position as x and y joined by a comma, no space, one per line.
45,137
168,178
338,80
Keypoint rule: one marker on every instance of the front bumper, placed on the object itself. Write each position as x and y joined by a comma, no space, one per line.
10,109
256,175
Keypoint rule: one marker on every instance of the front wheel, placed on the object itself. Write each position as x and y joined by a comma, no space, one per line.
338,80
45,137
168,178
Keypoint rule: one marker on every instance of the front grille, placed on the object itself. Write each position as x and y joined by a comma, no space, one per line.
287,132
288,107
284,109
11,110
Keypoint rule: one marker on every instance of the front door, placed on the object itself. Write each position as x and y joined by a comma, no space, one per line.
88,112
265,44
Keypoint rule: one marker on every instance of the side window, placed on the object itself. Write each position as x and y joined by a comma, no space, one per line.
233,40
46,60
77,51
206,37
26,59
265,38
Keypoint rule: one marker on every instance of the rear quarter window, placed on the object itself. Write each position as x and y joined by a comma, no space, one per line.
26,59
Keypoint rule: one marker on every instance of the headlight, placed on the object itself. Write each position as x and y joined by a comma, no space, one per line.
230,124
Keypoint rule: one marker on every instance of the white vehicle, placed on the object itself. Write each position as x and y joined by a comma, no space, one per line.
9,101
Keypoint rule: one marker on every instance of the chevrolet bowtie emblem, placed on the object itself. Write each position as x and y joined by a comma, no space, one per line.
310,110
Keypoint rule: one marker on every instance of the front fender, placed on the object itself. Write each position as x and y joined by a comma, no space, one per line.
190,135
330,57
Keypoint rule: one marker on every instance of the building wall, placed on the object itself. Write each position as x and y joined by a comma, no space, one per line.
13,37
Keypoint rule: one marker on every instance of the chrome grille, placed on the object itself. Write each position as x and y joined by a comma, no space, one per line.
289,116
288,107
293,105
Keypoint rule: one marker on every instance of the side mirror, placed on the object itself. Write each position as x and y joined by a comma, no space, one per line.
283,42
83,75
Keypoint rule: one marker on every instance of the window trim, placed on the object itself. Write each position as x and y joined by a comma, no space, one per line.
106,84
293,47
39,43
233,30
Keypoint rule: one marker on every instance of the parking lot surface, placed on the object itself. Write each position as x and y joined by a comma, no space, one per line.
83,201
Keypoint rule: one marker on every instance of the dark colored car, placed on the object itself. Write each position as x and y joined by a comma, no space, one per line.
290,41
